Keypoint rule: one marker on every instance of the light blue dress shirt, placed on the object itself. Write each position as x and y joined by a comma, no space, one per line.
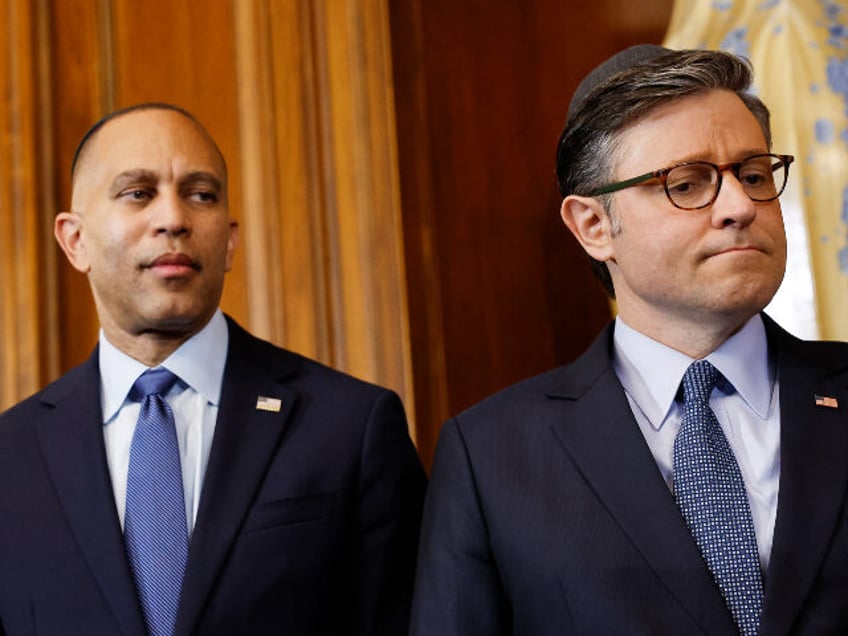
651,373
199,363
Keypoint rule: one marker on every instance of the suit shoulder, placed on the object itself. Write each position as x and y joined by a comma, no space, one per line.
536,401
828,355
513,403
27,410
295,367
311,369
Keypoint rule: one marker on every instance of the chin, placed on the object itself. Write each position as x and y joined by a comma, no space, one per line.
750,288
177,323
742,308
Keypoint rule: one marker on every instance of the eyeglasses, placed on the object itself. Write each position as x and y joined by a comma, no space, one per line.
695,184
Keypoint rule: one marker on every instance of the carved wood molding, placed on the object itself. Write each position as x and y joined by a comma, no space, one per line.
28,347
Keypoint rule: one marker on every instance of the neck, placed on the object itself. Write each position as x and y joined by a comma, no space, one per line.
149,348
696,338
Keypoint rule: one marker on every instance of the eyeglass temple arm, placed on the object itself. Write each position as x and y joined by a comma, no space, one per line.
621,185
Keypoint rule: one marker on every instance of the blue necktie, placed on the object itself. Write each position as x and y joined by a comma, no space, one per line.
710,493
155,529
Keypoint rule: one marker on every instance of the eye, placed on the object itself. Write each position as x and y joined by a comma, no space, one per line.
686,180
682,187
753,178
756,173
204,196
136,195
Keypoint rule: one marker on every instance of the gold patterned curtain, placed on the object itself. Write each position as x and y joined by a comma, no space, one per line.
799,49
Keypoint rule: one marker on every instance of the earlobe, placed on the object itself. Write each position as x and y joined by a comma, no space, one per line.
68,232
590,224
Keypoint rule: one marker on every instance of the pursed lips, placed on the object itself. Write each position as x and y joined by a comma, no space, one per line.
733,249
175,264
740,248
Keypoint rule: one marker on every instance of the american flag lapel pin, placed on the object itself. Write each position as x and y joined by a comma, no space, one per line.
264,403
826,400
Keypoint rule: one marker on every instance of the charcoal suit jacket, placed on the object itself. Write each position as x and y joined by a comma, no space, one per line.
307,523
547,514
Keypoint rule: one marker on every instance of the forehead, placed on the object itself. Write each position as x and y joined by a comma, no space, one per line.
158,140
714,126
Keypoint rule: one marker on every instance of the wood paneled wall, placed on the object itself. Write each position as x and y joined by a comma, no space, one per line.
502,291
27,286
391,166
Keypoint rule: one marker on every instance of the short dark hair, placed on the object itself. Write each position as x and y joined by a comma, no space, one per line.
586,148
91,132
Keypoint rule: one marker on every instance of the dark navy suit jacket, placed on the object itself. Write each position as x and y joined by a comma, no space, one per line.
547,514
308,519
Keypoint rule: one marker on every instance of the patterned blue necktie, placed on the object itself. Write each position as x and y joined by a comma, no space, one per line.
710,493
155,529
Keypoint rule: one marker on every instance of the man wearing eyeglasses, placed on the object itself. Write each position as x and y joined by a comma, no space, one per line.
688,473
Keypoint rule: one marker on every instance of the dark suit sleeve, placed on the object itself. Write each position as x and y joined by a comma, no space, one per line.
390,499
457,589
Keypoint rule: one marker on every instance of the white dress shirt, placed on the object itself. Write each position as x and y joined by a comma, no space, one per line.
749,416
199,363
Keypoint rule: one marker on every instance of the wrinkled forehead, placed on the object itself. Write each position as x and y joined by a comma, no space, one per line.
714,125
157,140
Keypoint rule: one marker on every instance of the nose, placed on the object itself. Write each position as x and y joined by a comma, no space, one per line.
170,215
732,206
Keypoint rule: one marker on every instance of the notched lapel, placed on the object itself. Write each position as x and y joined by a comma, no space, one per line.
252,416
602,438
813,484
71,438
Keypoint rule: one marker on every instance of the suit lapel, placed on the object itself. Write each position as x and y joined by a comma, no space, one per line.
603,439
71,438
246,439
813,473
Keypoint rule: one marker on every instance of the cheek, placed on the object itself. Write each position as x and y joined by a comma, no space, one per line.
775,227
109,251
113,252
219,248
659,249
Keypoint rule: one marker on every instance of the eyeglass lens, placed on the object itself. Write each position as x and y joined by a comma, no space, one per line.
696,184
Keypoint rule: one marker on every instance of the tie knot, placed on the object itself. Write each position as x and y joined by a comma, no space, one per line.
152,382
698,381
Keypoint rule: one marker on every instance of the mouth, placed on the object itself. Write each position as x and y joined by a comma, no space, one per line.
173,265
739,249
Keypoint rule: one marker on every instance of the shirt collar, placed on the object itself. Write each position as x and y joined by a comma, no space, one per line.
742,359
199,363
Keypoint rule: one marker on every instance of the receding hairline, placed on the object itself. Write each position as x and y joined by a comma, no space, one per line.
91,133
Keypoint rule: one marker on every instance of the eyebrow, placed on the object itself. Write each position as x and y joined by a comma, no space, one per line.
131,177
141,176
201,176
740,156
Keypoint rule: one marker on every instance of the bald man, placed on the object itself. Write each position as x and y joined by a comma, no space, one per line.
301,488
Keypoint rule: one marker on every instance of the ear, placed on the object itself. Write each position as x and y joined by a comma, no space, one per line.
68,230
232,244
590,224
